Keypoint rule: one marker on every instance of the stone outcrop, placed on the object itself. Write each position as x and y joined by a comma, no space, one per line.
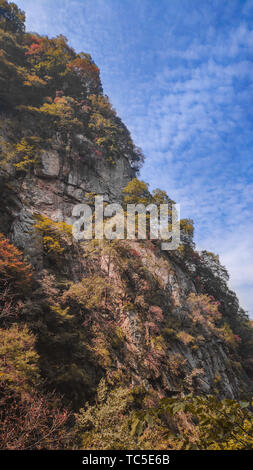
57,184
60,181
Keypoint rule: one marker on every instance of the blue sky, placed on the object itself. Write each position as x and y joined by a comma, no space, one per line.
180,75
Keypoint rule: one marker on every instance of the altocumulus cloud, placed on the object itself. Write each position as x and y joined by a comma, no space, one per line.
179,74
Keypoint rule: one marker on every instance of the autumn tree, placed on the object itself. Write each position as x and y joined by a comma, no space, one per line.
13,270
112,422
136,192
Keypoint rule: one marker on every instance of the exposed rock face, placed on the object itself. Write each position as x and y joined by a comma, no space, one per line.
59,182
203,364
50,164
119,324
60,142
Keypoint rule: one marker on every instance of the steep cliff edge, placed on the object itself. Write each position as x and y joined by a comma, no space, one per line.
124,311
58,183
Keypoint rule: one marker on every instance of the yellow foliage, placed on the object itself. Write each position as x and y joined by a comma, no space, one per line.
56,235
18,358
33,80
102,104
136,192
26,153
63,313
89,293
228,335
185,338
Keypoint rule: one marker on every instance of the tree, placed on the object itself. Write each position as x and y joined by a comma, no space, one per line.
87,72
11,17
26,154
56,236
160,197
205,423
90,293
211,278
111,423
14,272
18,359
136,192
187,232
30,419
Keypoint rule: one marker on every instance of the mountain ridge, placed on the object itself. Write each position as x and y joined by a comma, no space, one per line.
120,313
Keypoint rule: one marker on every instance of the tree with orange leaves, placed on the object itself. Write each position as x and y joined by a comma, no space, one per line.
14,272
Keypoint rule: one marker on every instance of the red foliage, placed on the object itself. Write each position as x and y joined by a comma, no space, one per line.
152,326
29,422
14,271
83,66
86,70
238,338
156,312
135,253
154,360
36,47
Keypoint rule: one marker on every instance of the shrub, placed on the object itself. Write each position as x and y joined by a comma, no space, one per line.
32,422
18,358
26,154
56,235
89,293
205,423
203,310
185,338
112,423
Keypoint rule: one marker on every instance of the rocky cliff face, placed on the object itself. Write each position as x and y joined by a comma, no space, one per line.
56,185
157,341
199,361
170,343
126,311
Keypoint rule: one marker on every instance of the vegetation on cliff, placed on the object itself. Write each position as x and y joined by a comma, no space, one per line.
104,344
45,85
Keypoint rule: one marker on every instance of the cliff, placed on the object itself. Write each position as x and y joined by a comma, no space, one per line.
124,311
